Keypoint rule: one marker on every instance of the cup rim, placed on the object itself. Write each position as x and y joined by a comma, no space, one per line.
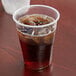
45,25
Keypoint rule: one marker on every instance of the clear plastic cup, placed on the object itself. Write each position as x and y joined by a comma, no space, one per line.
37,41
11,6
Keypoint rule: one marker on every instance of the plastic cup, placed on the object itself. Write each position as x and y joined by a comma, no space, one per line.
36,43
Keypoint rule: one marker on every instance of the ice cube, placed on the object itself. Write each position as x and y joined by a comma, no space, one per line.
27,20
43,31
26,38
52,27
38,40
48,38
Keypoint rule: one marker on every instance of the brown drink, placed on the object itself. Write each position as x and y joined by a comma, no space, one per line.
36,46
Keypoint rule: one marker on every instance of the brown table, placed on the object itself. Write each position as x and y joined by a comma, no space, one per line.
64,55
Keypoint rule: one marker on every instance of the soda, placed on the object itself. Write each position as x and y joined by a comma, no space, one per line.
36,44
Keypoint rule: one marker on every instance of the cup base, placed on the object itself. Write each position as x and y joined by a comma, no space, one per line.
37,68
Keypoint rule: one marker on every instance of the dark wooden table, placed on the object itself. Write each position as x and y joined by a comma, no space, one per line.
64,53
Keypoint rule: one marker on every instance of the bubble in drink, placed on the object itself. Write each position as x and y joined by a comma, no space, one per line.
36,44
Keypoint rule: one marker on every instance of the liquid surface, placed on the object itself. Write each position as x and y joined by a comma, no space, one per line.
35,19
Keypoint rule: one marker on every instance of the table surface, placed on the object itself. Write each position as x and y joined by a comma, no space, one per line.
64,52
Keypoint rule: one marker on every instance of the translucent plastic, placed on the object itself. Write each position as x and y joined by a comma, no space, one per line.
11,6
